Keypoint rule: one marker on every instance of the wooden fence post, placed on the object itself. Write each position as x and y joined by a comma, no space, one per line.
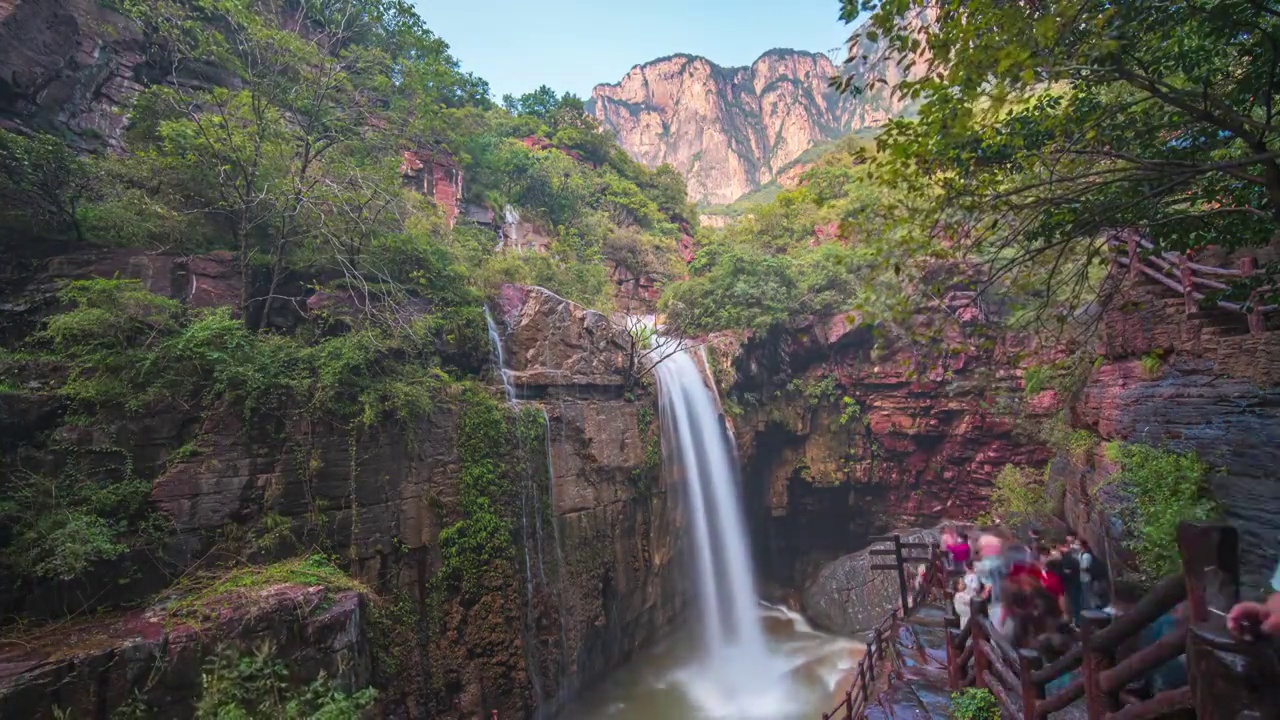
1211,568
1131,239
902,573
1029,661
977,636
1096,660
1248,266
951,631
1188,284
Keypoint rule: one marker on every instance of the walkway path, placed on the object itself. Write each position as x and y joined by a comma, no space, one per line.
917,688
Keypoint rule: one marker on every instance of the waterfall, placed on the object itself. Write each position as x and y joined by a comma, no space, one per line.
738,674
532,508
495,349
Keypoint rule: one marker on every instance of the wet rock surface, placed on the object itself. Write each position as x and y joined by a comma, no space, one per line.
848,597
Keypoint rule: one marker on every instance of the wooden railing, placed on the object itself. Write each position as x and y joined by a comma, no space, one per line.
858,694
1178,273
862,684
1228,678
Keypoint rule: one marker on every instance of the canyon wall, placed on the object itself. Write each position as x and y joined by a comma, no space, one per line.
1191,382
844,435
591,582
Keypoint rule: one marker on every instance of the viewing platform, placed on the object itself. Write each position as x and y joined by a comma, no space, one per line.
916,659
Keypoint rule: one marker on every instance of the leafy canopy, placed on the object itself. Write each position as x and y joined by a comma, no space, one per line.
1046,124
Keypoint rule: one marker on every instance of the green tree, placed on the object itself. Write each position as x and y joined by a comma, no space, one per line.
1046,124
540,103
44,183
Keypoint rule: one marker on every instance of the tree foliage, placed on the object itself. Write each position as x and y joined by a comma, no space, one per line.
839,242
1044,125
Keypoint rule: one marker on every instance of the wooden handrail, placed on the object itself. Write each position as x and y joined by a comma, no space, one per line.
858,696
1145,661
1159,267
1218,689
1063,665
1161,599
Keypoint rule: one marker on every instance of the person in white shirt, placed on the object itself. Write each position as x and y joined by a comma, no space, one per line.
962,599
1085,555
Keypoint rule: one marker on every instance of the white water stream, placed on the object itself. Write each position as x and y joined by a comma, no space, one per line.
739,658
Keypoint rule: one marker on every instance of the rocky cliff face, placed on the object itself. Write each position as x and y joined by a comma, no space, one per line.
728,130
68,66
843,437
732,130
595,541
1216,391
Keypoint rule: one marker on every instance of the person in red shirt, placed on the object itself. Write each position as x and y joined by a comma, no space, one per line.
1051,580
959,551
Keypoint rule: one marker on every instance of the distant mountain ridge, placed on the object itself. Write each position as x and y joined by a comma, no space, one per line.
730,130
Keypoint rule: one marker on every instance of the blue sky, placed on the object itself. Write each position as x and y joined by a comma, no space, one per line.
575,44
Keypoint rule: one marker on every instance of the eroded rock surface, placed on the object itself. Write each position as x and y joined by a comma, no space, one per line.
1215,390
86,668
68,66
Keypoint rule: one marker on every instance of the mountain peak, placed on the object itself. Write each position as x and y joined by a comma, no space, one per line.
730,130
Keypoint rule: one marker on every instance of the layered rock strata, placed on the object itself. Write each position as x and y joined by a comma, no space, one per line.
844,435
1215,390
593,581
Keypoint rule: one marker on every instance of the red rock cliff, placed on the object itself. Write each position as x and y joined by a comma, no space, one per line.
842,439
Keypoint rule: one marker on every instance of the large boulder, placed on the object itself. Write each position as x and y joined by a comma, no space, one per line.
848,597
552,342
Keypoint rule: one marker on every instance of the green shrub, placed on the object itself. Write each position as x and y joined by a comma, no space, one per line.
1151,364
125,350
1166,487
240,686
91,510
1034,379
1019,496
473,548
974,704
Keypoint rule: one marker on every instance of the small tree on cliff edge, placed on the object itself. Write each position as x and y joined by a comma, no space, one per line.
1047,123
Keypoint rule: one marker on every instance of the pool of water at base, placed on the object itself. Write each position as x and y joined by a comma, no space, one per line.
668,681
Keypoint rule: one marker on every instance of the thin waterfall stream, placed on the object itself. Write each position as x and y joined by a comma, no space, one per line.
532,506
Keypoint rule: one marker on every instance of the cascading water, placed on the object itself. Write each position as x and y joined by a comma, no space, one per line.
495,349
738,674
532,508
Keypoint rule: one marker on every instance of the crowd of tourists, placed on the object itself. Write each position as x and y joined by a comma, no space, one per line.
1031,586
1036,591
